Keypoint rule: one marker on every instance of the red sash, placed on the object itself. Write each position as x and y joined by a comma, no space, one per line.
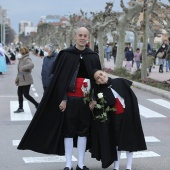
78,92
119,107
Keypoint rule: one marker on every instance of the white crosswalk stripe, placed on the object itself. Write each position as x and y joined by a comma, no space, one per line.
148,113
46,159
161,102
23,116
151,139
144,154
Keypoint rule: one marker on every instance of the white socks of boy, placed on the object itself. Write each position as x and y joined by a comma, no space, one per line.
129,156
81,145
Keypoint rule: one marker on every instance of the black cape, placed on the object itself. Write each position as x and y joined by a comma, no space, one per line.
45,132
131,138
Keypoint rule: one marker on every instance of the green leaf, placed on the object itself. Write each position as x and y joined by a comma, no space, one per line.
98,106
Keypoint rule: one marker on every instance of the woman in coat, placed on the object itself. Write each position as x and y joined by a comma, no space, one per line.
161,60
24,79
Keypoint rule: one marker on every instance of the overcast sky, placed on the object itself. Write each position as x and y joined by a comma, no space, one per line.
32,10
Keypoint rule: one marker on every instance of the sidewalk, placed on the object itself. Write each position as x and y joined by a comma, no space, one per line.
153,75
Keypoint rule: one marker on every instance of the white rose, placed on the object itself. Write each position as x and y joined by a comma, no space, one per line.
100,95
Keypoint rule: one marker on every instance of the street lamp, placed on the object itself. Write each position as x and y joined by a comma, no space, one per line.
3,22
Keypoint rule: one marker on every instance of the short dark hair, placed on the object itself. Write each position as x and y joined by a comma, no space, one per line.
169,38
94,71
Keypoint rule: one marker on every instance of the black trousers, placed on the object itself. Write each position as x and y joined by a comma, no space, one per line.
77,118
24,91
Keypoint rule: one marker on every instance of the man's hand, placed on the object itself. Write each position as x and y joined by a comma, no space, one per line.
62,105
92,104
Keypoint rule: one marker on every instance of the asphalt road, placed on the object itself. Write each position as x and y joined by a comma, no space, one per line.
155,117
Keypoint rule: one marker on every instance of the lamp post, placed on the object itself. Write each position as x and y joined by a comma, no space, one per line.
2,21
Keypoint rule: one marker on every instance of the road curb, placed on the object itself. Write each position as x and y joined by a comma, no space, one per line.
153,90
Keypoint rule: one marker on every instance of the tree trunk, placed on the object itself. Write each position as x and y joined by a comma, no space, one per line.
145,43
136,39
121,44
68,39
92,42
151,38
100,44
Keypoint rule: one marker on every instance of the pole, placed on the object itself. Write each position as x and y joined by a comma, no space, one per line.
4,23
1,29
4,35
1,21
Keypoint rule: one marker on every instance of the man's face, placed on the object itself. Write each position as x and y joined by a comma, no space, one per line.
81,37
101,77
48,51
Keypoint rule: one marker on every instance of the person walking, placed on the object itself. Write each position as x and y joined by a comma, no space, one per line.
47,65
3,67
168,57
129,58
107,51
150,61
13,55
161,54
114,52
63,116
124,123
137,58
24,79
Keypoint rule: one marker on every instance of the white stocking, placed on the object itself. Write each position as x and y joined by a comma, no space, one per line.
129,156
68,143
81,145
116,163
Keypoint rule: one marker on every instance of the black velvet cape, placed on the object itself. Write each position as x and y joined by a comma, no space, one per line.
131,137
45,132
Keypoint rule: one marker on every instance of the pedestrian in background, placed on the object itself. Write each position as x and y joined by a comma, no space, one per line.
137,58
161,54
150,61
3,67
13,56
24,79
107,51
47,65
168,57
129,58
114,52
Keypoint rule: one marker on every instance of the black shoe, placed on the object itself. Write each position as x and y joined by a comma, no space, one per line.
67,168
19,110
84,168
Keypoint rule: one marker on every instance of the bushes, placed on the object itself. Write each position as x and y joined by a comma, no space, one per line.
136,76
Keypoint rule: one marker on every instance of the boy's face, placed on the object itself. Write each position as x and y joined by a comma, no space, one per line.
101,77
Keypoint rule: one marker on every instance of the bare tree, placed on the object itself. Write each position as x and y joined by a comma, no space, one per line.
129,13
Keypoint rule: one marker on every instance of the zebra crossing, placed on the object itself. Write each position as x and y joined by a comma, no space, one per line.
145,112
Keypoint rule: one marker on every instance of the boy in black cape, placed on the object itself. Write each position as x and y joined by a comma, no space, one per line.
123,125
62,114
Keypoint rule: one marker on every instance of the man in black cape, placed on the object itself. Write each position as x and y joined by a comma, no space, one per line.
125,128
58,119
